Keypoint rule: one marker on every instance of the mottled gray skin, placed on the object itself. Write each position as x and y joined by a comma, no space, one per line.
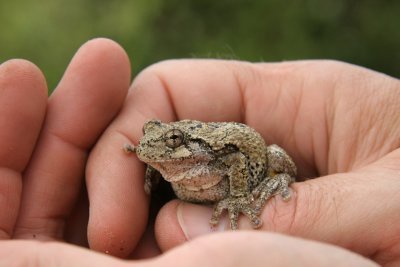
225,163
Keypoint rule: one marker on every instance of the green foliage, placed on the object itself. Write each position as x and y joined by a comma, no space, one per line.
48,32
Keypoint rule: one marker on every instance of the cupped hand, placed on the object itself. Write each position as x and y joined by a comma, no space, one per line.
339,122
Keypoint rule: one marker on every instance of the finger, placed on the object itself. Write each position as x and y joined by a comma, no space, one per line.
340,209
147,247
89,95
23,95
266,97
258,249
51,254
227,249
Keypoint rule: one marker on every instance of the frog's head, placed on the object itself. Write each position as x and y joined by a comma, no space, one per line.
169,142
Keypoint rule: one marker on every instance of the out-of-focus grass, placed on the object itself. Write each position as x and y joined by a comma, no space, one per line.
48,32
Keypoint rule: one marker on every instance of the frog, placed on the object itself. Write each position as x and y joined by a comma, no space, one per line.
225,164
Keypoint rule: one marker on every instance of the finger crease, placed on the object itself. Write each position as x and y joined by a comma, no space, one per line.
124,135
242,91
68,142
167,91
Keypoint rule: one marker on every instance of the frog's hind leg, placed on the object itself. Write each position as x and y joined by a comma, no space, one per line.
240,200
271,186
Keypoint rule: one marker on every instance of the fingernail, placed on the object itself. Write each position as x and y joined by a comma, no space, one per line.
195,220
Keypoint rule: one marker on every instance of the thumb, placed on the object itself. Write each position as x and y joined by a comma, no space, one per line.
356,210
247,248
226,249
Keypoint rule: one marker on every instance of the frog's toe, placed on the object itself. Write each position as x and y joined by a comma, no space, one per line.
235,209
252,215
279,184
285,194
233,218
214,221
235,206
128,148
217,211
258,207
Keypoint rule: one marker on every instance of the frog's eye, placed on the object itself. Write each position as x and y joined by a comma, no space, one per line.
173,138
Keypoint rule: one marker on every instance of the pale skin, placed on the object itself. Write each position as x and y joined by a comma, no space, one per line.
339,122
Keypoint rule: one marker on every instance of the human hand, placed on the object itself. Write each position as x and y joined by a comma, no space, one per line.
87,98
201,90
224,249
339,122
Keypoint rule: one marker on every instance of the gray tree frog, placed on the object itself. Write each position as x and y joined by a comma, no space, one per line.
225,163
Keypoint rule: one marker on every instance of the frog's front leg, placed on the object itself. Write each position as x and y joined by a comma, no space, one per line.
240,200
151,179
280,174
152,176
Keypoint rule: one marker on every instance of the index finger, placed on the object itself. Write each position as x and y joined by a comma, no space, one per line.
23,95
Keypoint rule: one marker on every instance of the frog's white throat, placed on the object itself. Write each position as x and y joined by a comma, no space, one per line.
193,177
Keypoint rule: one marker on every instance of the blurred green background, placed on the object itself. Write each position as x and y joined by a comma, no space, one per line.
48,32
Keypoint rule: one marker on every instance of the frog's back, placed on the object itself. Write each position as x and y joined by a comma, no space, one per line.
219,135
